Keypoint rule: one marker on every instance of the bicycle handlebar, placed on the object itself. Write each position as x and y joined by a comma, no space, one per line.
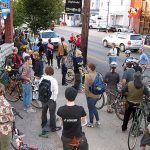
16,113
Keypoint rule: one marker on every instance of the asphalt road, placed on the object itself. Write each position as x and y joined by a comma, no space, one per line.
97,53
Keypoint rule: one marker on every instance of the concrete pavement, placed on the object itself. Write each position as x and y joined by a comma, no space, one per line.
107,137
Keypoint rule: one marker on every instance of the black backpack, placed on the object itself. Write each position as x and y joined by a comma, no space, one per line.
45,91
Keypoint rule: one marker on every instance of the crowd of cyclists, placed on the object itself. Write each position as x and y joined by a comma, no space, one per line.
30,63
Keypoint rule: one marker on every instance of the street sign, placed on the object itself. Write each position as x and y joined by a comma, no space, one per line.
73,6
5,8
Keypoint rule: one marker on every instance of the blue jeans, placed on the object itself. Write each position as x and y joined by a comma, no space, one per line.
92,109
27,95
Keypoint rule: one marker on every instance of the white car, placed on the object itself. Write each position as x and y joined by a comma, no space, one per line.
123,40
92,24
47,34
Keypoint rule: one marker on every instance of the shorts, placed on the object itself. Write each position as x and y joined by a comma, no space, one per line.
145,140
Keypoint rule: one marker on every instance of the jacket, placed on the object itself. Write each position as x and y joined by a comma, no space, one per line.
134,95
89,79
61,49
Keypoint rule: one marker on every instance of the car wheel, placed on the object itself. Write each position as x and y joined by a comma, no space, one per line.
90,27
105,43
122,47
119,30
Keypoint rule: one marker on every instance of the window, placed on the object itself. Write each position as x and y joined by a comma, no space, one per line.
136,37
48,35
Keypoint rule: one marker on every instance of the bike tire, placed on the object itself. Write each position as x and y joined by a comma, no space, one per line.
100,102
13,93
70,75
12,146
146,81
120,109
133,134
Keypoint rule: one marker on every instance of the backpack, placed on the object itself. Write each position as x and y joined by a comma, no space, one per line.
98,86
45,91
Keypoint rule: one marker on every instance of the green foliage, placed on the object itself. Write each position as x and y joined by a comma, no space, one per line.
40,13
18,13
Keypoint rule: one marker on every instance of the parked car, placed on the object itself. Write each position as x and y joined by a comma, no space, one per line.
46,34
118,28
147,39
123,40
92,24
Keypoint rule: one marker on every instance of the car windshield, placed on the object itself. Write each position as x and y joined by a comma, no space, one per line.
49,35
136,37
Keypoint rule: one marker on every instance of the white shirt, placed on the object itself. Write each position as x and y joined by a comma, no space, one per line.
113,52
25,54
54,86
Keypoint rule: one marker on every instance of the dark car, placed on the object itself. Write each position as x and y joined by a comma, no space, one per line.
147,39
118,28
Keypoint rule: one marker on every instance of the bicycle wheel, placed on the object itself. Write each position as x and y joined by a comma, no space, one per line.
132,136
146,81
12,146
13,92
70,75
100,102
120,109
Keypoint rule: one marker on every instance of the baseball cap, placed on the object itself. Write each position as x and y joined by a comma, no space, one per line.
113,64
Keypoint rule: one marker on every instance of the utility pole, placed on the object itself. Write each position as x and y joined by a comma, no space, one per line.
108,3
85,29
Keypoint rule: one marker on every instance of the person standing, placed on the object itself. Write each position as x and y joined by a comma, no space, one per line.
72,115
49,53
6,120
112,54
128,73
50,104
91,98
77,63
38,65
143,60
27,76
64,71
62,50
112,78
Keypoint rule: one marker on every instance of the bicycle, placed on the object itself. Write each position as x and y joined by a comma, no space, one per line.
17,136
146,80
138,125
14,92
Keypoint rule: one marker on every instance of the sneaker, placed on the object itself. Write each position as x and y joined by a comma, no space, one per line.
43,134
31,110
25,109
90,125
97,124
56,129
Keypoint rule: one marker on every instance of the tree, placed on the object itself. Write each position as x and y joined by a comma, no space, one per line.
40,13
18,13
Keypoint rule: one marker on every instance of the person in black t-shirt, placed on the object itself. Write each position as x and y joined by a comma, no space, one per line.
72,115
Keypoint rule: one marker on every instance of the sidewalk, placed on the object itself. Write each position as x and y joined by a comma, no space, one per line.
107,137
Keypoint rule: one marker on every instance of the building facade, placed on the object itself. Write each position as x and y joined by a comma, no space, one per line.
116,11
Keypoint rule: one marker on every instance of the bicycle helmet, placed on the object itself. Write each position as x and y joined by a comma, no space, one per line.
127,52
113,64
129,60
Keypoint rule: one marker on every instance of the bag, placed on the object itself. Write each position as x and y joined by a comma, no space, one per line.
98,86
45,91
